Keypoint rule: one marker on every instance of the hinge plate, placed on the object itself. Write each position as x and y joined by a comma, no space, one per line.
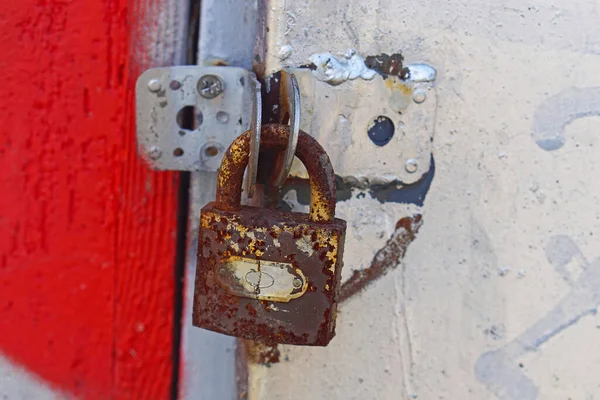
178,128
342,117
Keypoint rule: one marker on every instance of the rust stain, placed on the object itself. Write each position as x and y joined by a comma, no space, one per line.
217,62
275,137
395,84
230,231
306,320
260,353
388,65
386,259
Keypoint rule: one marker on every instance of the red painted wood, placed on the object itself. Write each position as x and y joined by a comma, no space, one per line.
87,233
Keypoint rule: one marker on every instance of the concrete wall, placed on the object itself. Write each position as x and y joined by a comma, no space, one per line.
497,296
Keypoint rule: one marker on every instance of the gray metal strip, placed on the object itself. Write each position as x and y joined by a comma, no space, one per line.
227,34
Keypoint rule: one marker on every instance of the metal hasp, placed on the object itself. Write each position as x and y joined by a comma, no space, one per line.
255,126
391,117
289,101
187,116
269,275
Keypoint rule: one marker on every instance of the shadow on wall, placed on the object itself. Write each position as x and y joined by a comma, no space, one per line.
500,369
385,259
392,253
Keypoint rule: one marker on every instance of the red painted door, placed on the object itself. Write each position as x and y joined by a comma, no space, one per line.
87,232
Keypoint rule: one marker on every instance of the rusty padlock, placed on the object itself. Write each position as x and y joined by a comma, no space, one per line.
264,274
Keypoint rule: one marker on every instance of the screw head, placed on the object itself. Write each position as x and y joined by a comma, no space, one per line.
154,85
297,283
154,153
419,96
411,165
209,86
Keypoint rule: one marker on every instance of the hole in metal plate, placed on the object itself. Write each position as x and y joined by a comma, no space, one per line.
189,117
381,130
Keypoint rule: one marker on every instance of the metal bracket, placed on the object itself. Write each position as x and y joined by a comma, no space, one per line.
345,118
187,116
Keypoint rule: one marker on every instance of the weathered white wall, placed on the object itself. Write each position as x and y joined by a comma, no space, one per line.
497,297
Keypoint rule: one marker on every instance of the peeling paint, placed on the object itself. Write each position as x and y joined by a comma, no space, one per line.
305,245
334,71
421,72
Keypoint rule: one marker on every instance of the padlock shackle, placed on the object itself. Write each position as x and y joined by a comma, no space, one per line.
275,137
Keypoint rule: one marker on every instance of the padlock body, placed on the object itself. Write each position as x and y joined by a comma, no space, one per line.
268,275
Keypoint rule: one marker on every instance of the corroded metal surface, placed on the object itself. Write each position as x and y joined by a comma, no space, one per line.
386,259
260,353
275,137
388,65
311,243
314,248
